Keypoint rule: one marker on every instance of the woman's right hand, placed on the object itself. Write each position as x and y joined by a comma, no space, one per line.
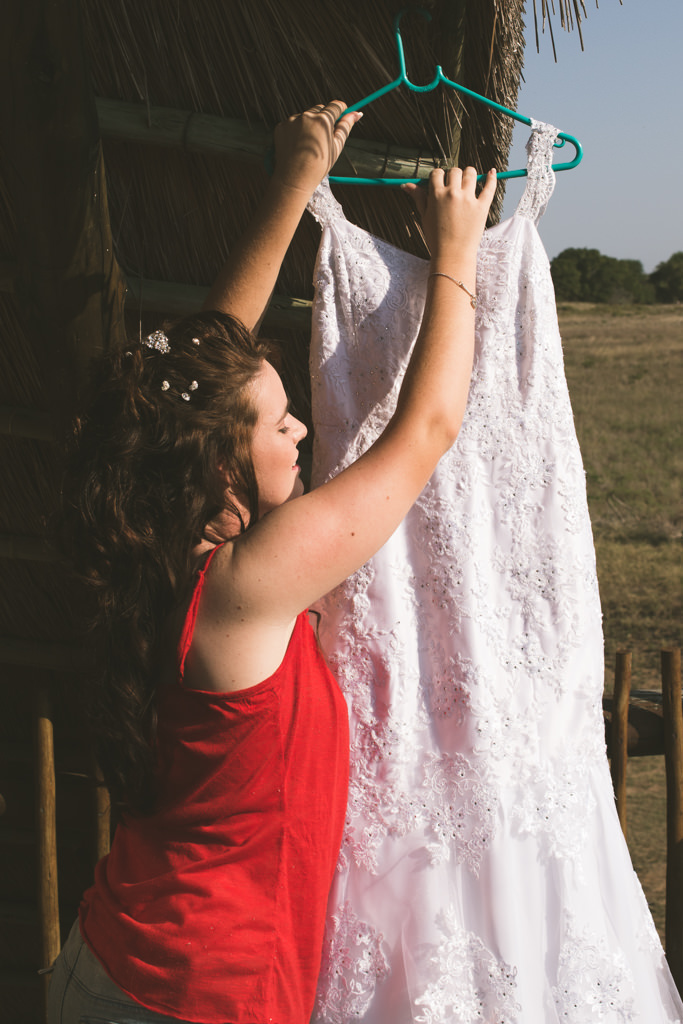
453,216
308,145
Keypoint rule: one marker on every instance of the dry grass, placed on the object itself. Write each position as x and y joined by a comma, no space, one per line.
625,371
646,830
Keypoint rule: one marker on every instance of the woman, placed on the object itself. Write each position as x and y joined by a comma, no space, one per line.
219,729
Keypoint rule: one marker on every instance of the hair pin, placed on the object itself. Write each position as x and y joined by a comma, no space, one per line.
159,341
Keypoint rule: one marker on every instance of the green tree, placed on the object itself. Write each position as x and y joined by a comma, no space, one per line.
621,281
667,279
585,275
572,272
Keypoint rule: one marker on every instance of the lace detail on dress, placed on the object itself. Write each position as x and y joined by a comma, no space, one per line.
398,786
323,206
557,804
593,984
464,982
352,965
541,177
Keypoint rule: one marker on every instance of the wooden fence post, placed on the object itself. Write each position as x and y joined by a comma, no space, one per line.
673,755
619,731
46,815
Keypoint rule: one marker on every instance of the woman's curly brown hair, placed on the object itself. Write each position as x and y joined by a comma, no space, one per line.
145,475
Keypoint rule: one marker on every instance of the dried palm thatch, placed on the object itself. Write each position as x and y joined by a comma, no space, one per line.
571,13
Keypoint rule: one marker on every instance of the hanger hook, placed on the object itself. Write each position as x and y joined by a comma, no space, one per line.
399,41
402,76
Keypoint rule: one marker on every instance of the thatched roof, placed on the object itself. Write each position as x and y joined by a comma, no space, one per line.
204,81
175,208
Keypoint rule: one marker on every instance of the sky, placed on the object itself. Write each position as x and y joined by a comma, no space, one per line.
623,99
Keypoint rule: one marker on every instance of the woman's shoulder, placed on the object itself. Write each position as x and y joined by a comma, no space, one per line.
227,644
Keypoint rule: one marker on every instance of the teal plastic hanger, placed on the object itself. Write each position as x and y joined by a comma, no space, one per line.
440,78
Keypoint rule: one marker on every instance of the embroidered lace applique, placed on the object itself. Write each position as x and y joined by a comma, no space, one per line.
593,983
352,965
464,982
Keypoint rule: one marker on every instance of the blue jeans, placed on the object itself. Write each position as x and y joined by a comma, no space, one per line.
81,992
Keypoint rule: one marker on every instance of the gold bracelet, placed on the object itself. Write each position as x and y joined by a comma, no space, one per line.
473,298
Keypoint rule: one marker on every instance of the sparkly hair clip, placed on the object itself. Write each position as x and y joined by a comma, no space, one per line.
185,395
159,341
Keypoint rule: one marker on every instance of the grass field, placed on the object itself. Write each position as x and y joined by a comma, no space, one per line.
625,371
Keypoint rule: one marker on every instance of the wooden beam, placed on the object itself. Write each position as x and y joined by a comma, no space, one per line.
230,137
16,421
27,549
284,312
180,299
41,654
645,734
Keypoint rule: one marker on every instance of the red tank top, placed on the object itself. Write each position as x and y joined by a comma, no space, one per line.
213,908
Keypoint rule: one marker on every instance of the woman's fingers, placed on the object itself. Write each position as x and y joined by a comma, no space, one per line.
490,184
343,127
469,177
437,179
336,108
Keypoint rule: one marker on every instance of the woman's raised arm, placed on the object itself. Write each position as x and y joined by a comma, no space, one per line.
306,147
300,550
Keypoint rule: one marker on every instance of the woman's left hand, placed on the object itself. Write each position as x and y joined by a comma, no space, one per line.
307,145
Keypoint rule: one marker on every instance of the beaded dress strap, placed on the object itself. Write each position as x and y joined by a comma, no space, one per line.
324,207
541,177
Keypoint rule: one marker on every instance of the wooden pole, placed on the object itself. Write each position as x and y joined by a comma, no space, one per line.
673,754
46,823
619,734
239,140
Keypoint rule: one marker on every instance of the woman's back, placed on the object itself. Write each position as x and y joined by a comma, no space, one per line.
232,869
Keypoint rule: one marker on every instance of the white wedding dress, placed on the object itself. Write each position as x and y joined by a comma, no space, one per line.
483,875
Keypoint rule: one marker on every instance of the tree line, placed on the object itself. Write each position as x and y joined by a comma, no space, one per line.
585,275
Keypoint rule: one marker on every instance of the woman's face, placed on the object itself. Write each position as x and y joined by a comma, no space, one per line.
274,443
